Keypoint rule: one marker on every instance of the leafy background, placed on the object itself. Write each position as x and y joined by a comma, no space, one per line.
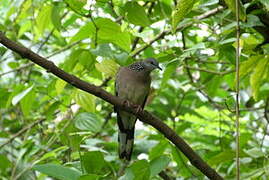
69,134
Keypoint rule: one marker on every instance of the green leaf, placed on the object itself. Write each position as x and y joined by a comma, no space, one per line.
86,31
55,16
242,10
72,60
222,157
158,164
85,100
59,85
43,19
109,31
256,77
136,14
140,170
265,3
248,66
158,149
182,9
169,70
27,102
93,162
255,152
250,41
77,5
103,50
89,122
58,171
86,59
109,67
182,162
89,177
5,163
21,95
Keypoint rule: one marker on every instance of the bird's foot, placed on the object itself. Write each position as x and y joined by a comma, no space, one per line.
138,109
126,103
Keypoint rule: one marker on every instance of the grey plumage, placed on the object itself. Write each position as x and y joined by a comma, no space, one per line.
132,84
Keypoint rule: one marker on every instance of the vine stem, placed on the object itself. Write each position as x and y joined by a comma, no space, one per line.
237,121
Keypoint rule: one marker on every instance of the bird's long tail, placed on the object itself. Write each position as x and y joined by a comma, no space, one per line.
126,124
126,142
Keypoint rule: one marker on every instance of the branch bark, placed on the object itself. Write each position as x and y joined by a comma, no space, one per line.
143,115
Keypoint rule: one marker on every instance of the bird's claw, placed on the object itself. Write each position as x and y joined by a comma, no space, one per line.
138,109
126,103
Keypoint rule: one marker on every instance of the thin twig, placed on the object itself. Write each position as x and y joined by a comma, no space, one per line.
209,71
237,123
21,132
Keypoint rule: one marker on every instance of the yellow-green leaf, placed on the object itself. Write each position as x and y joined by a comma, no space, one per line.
248,66
109,67
59,85
256,77
182,9
85,100
43,19
109,31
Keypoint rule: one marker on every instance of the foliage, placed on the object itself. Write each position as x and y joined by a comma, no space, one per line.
194,94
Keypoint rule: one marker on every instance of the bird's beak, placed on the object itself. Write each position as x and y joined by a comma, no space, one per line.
159,68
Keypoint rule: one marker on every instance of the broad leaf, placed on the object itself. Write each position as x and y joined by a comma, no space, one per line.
109,67
136,14
93,162
89,122
85,100
158,164
58,171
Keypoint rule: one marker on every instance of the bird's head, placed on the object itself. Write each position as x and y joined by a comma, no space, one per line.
150,64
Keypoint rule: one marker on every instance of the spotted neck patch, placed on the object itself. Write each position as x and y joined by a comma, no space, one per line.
136,67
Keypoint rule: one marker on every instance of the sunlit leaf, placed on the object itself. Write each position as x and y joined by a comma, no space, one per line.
109,31
86,31
55,16
59,85
256,77
21,95
182,9
85,100
109,67
43,19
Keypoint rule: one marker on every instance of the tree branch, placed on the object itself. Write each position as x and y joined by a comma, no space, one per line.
143,115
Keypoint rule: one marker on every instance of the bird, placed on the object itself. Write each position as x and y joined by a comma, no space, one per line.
132,84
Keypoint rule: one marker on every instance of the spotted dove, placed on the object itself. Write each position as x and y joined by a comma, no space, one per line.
132,85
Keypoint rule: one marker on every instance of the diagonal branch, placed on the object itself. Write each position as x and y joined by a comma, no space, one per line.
143,115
